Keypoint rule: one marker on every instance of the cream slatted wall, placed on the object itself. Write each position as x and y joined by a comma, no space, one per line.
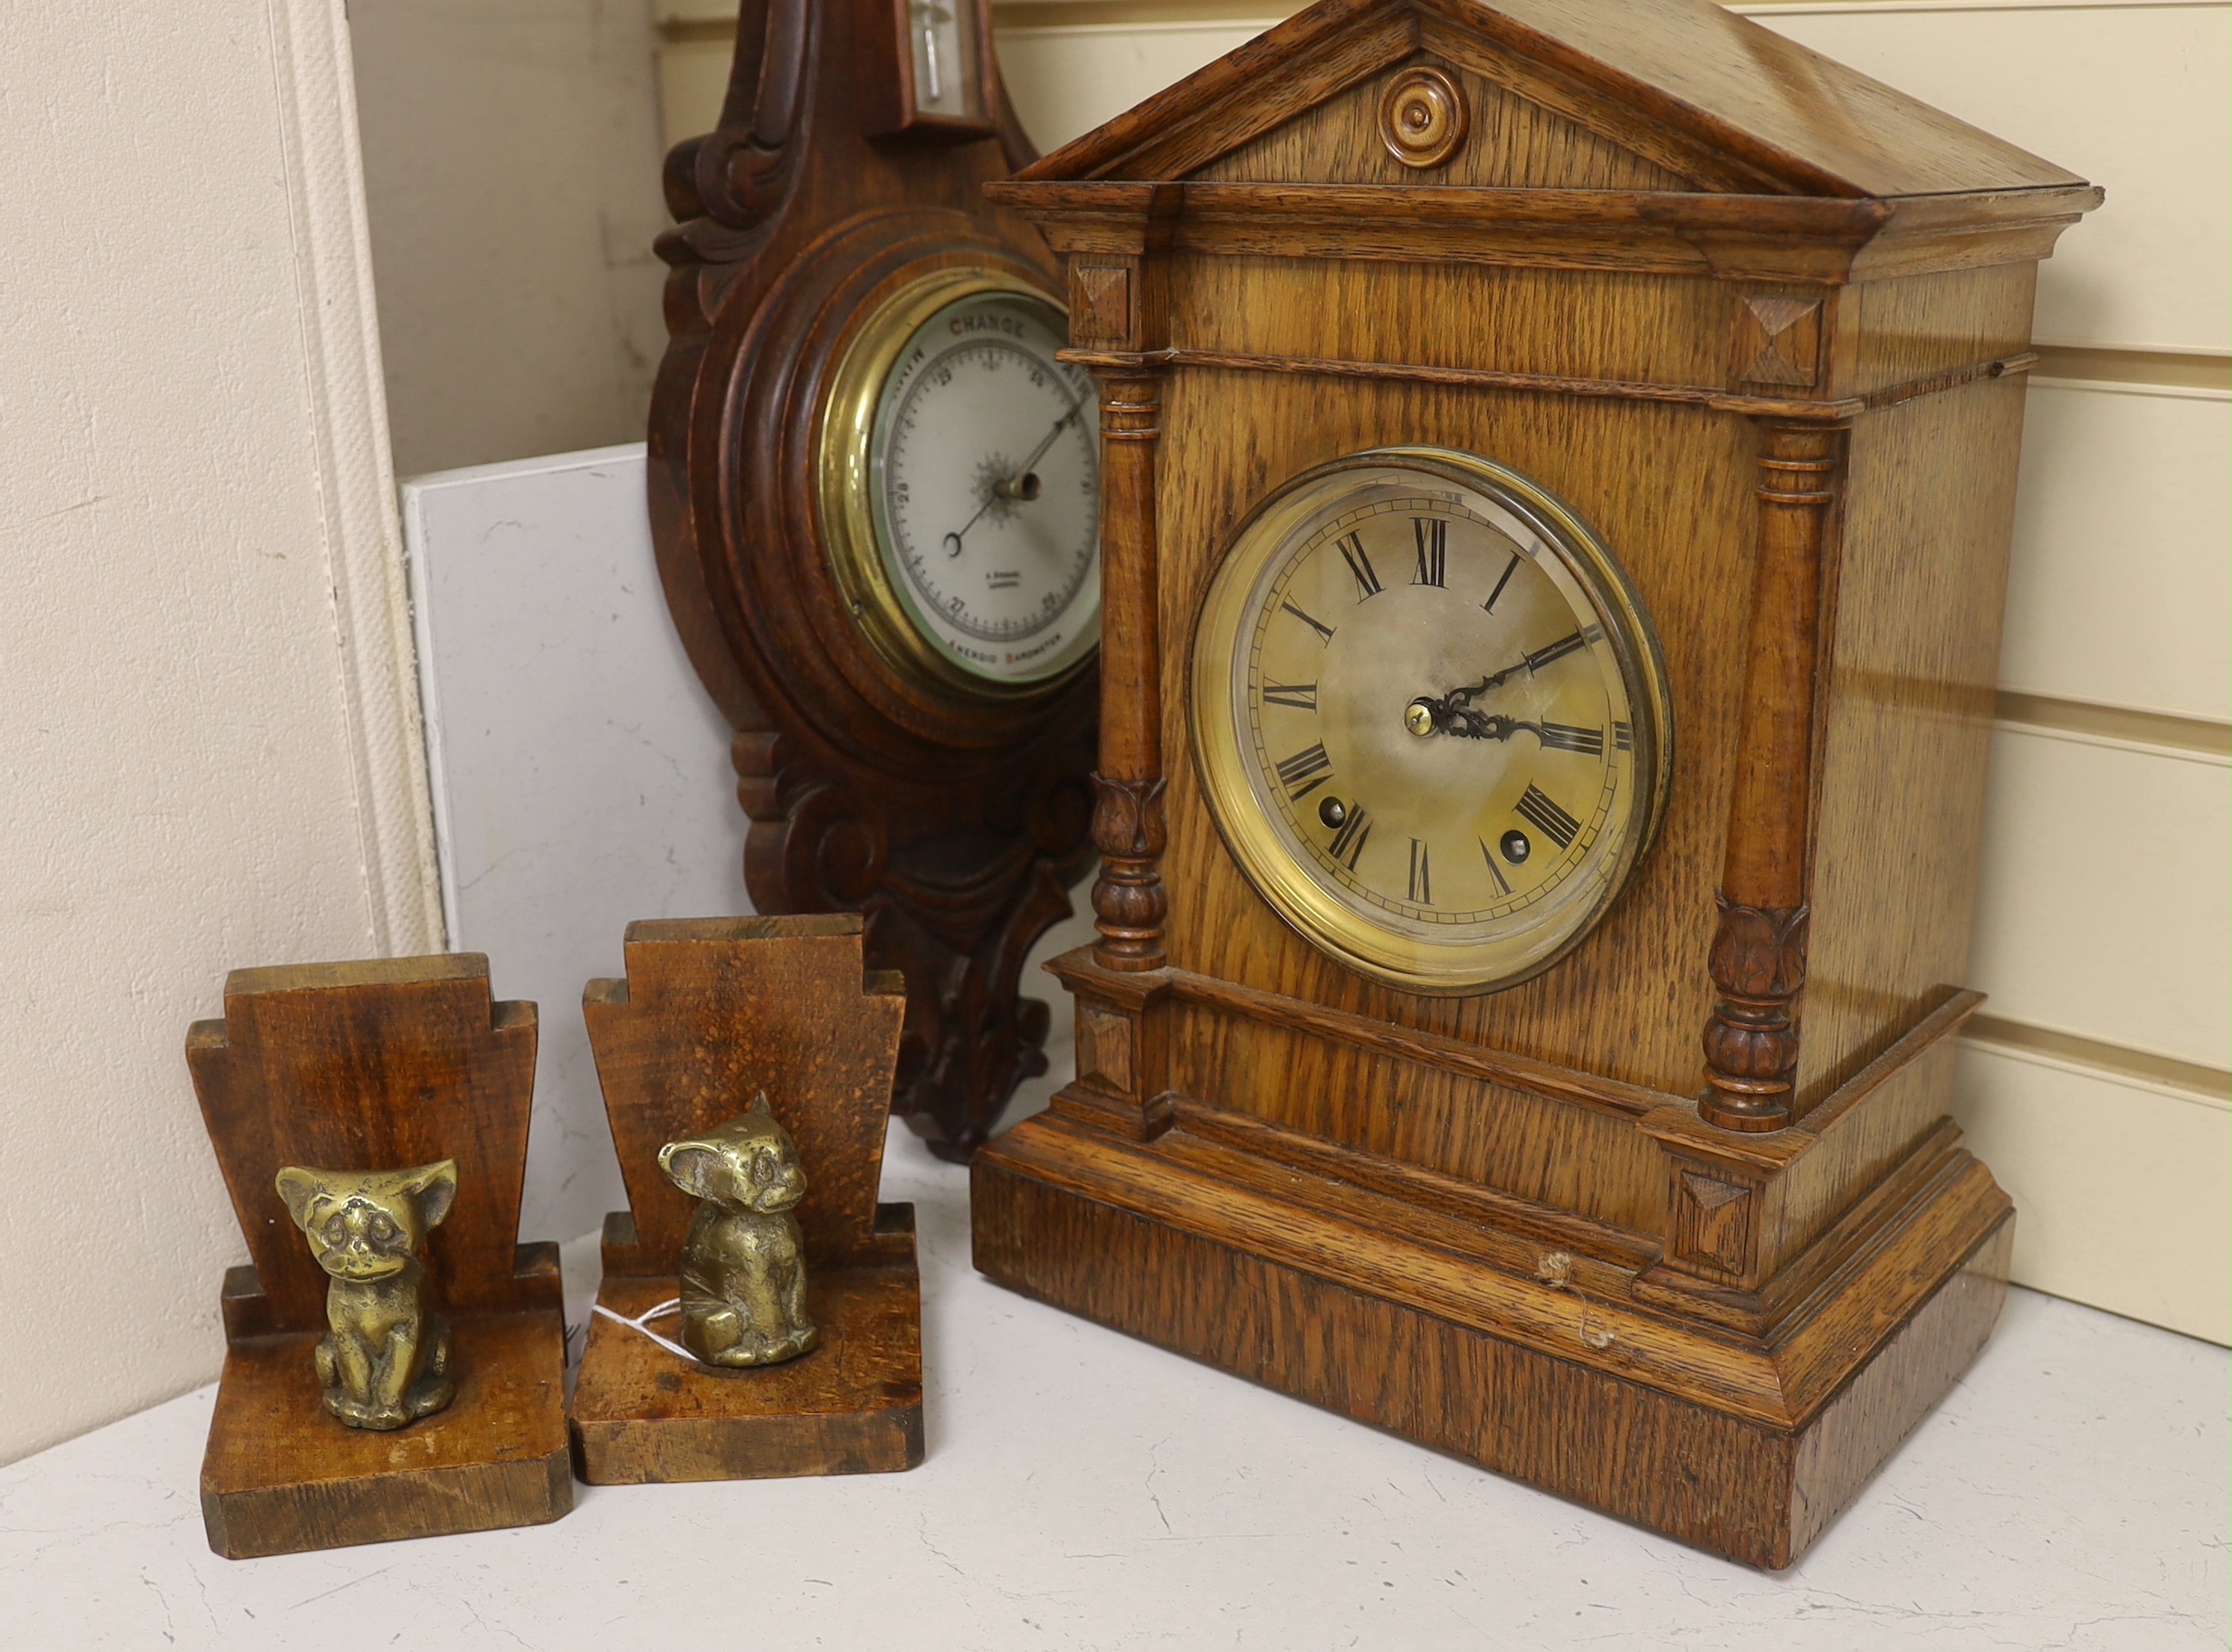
2097,1087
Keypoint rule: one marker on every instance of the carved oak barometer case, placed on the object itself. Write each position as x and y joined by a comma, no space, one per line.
875,493
1557,468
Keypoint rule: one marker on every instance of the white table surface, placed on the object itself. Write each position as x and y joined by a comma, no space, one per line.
1084,1490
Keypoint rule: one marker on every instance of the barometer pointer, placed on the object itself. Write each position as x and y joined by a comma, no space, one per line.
1022,485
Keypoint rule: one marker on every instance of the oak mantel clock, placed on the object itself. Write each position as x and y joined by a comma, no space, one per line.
1557,462
874,491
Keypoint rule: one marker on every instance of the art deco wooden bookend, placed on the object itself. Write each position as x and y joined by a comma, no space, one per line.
712,1012
874,495
1558,480
388,1065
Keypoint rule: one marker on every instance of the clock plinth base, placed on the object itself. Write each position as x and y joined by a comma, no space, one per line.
1337,1294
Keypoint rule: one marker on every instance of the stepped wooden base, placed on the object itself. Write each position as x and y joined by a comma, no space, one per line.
1480,1341
852,1406
281,1475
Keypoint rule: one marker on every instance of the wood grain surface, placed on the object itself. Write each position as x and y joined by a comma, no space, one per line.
711,1012
379,1065
853,1405
1711,89
714,1010
953,825
1679,1226
1677,1431
281,1475
1907,717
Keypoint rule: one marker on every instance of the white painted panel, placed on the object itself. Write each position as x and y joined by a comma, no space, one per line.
2119,1189
2132,97
1067,80
2104,904
2121,580
581,777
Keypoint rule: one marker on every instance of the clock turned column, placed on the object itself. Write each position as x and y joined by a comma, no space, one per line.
1129,902
1757,961
1118,301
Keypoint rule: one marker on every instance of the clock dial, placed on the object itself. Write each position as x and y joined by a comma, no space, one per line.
1431,718
969,473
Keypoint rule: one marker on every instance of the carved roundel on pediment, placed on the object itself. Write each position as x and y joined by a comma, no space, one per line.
1423,117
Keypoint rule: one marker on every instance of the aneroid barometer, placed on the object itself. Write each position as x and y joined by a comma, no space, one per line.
961,485
875,491
1557,473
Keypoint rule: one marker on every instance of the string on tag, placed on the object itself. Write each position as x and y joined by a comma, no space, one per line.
640,1324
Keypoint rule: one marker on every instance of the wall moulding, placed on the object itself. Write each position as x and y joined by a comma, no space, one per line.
2165,368
2157,732
316,93
1226,14
2187,1081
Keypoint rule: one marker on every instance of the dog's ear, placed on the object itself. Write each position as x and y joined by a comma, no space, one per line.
699,1169
299,1186
432,1187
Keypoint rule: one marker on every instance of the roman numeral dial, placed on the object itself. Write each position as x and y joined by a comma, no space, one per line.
1305,771
1360,568
1564,737
1439,718
1432,535
1536,806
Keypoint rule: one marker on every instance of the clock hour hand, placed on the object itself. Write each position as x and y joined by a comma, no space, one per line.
1451,713
1426,716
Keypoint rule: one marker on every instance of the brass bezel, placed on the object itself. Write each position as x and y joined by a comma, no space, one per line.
1352,938
843,463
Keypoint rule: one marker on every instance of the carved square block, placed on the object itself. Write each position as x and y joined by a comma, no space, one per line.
1713,1221
1104,1040
1100,306
1778,341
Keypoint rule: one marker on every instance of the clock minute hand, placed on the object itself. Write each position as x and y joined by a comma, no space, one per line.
1451,713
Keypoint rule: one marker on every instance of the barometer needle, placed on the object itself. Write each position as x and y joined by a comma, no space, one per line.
1012,487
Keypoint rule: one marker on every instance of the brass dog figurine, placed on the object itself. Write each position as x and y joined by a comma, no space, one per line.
385,1362
743,1272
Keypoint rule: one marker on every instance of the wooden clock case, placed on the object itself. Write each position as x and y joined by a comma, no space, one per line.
954,824
1764,322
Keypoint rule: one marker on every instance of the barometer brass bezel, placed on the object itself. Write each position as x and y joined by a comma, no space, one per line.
844,465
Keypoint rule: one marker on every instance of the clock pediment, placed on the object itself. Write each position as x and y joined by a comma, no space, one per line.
1614,95
1507,140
